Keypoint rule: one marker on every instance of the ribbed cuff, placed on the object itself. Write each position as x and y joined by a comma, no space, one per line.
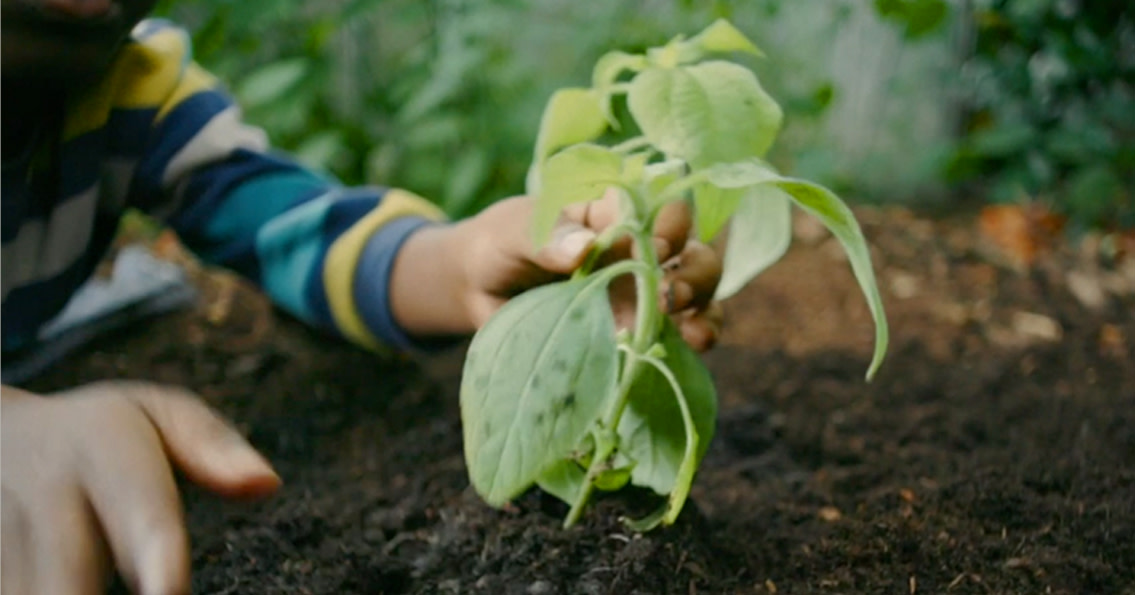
371,287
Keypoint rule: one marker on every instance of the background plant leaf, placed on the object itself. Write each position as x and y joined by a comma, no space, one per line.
271,82
536,376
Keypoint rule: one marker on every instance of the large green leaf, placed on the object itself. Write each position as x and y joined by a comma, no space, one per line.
536,376
651,431
579,173
759,235
706,113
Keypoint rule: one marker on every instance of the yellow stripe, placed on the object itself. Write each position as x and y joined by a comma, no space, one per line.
195,80
152,69
143,75
343,257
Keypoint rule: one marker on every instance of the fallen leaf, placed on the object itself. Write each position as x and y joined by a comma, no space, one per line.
1020,232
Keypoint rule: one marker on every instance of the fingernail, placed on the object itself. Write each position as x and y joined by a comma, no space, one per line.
676,296
244,461
576,242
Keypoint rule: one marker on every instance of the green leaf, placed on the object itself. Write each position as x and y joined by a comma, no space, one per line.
573,115
759,235
577,174
649,522
658,176
651,432
536,377
613,479
320,150
727,184
739,174
712,208
271,82
707,113
606,72
610,65
1003,140
563,480
469,173
722,36
838,218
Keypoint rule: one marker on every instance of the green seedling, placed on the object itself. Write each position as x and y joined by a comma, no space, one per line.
552,395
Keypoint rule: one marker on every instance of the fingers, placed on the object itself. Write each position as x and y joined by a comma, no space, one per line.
16,571
701,328
691,278
506,227
671,227
131,488
203,445
66,550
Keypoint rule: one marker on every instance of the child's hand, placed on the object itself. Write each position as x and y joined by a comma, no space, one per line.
493,255
87,480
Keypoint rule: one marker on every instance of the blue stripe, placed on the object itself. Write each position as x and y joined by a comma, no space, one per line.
352,204
28,307
178,128
372,285
288,248
211,187
80,166
130,129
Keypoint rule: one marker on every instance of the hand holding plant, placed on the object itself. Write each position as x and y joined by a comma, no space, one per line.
552,394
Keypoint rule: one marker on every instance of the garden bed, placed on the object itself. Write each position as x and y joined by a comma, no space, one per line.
994,453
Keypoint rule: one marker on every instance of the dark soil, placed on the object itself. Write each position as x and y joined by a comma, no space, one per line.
989,456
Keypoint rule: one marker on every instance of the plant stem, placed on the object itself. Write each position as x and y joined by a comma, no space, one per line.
645,335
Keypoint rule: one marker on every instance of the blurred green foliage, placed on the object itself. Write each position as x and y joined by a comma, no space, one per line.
1050,102
443,97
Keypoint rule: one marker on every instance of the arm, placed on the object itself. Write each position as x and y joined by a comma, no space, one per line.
376,266
321,251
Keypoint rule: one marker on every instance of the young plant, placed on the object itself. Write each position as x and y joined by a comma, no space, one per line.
551,394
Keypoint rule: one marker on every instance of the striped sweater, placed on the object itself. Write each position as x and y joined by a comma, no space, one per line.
160,135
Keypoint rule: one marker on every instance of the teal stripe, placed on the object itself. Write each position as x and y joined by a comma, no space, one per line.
288,248
252,204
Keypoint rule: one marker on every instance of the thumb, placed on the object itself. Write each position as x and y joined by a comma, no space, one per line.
204,446
567,249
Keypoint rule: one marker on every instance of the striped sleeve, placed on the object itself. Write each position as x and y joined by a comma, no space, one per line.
321,250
